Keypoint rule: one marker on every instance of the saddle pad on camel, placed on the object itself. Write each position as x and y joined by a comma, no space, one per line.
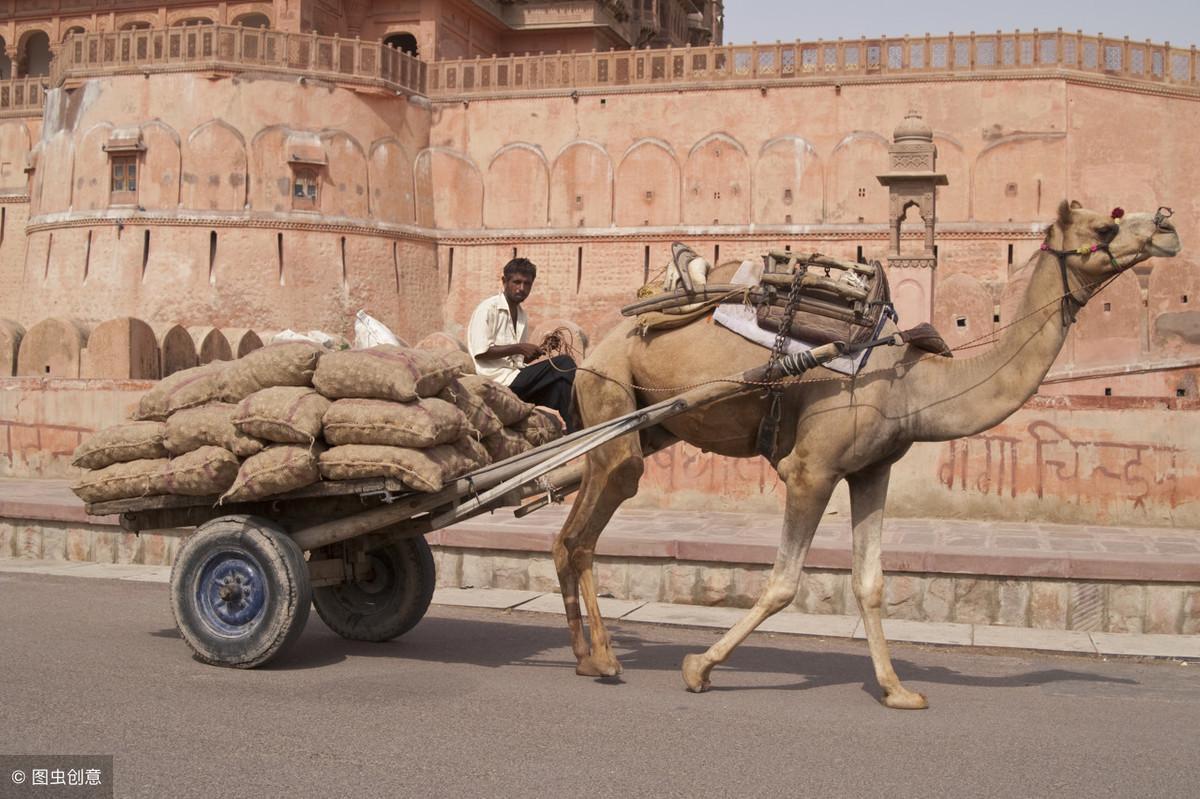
743,320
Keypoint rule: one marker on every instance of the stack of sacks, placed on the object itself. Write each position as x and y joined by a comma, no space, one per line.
195,426
387,420
288,415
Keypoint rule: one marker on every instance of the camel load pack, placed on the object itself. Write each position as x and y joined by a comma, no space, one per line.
289,415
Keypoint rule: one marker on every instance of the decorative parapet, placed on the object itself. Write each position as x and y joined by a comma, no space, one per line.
22,97
227,48
761,64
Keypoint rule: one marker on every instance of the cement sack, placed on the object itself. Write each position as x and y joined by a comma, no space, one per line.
541,427
423,423
204,472
370,332
208,425
505,444
507,406
419,469
275,470
283,414
121,443
479,415
189,388
130,480
392,373
289,364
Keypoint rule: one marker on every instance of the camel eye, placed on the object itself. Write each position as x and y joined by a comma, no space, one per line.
1107,232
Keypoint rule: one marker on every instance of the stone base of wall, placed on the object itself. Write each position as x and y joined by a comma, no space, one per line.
1093,606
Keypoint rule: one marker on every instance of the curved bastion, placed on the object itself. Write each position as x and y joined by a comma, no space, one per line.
262,199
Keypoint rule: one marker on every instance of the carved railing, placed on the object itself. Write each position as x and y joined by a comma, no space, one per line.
762,63
238,49
22,97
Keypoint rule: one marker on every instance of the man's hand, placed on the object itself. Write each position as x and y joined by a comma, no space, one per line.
526,350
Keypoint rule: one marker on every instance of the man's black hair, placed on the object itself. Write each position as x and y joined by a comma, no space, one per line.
520,266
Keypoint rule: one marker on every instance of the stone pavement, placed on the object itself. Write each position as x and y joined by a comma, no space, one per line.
1175,647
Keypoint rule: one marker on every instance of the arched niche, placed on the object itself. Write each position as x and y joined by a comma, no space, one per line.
177,350
517,186
716,182
214,168
344,180
581,186
403,41
853,192
52,348
91,189
460,208
160,166
211,344
270,175
910,296
788,183
647,186
390,174
254,19
1021,178
124,348
33,55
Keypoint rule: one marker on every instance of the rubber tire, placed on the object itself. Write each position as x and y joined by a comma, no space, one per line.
391,609
284,572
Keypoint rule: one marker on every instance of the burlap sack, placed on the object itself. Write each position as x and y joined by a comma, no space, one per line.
275,470
384,372
203,472
424,423
507,406
208,425
505,444
287,364
453,350
481,417
419,469
190,388
540,427
121,443
285,414
474,453
122,481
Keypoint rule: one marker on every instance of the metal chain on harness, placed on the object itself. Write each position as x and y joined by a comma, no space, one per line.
768,430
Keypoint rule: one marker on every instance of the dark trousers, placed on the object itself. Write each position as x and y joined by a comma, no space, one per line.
548,382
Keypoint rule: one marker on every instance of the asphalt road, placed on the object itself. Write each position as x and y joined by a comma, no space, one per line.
486,704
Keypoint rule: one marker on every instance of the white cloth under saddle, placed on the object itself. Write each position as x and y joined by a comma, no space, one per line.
743,320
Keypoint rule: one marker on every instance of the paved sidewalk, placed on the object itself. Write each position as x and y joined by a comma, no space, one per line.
1175,647
944,546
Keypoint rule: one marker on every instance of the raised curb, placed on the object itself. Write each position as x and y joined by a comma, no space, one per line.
1174,647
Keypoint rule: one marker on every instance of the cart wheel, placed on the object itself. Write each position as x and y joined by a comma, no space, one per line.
240,591
391,602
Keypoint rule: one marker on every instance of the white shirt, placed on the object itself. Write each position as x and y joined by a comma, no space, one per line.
492,326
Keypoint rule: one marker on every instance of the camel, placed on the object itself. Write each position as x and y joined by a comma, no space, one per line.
834,427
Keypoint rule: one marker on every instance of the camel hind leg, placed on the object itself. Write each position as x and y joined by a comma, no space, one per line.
868,491
611,475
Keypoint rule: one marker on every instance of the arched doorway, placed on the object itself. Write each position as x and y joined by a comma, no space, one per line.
405,42
34,56
5,61
253,21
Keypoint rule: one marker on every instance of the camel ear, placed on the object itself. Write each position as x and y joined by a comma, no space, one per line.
1064,213
1075,204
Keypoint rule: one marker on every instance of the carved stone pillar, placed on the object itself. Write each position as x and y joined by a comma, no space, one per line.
912,181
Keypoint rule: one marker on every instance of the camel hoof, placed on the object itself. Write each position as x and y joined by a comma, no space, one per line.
695,675
905,699
598,666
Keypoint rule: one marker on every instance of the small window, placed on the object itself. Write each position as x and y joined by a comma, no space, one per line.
124,180
304,190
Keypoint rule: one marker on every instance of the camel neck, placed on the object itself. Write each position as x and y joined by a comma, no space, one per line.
962,396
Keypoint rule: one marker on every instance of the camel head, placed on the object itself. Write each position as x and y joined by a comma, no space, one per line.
1096,246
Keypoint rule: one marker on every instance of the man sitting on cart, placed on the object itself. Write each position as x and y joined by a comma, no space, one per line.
497,338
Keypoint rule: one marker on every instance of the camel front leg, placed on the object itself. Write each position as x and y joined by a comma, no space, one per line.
868,493
807,496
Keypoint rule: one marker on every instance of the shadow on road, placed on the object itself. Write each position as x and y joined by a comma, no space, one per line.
495,644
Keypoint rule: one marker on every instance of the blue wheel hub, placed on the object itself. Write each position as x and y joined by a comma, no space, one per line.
231,593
